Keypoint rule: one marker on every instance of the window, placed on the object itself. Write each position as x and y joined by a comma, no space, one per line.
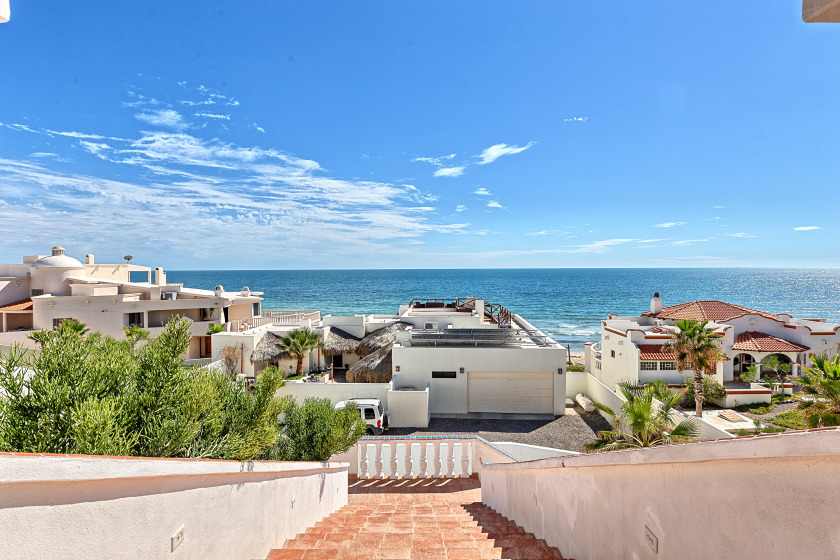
206,313
369,414
57,322
38,292
443,375
668,365
256,309
612,353
648,366
134,319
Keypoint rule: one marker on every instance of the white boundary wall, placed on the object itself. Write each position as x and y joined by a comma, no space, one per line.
59,506
713,499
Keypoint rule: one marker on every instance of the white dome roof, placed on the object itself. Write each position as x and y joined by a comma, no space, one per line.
57,261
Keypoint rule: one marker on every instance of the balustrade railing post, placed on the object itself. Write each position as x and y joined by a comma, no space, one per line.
409,467
436,447
363,460
466,450
379,462
423,462
393,463
450,460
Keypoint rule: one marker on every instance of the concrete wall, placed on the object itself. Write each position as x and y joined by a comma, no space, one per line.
13,289
336,391
701,501
106,508
524,452
450,395
409,409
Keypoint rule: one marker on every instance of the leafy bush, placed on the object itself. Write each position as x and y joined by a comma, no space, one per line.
576,367
660,390
315,431
794,419
96,395
712,391
750,375
756,408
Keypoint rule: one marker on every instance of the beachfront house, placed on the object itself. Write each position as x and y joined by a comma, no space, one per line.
471,356
43,290
632,347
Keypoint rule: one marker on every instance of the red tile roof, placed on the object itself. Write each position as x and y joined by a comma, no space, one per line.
653,352
702,310
22,305
763,342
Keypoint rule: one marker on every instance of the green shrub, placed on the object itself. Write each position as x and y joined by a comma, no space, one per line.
712,391
315,431
756,408
660,389
794,419
576,367
96,395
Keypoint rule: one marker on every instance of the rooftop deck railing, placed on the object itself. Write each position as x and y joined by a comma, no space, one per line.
479,337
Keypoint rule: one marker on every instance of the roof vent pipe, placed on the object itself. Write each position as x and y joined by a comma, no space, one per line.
655,304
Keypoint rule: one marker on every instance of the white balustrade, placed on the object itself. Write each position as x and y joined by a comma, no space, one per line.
437,458
436,449
393,447
379,461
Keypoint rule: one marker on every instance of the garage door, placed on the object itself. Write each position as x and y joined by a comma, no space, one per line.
524,393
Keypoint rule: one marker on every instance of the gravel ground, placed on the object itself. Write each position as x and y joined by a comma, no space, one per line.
570,432
765,418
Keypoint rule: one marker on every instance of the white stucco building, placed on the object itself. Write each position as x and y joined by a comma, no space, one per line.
631,348
473,356
42,290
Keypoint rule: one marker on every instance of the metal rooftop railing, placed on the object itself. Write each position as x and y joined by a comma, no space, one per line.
479,337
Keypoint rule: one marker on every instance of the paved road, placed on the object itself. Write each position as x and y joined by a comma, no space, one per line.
570,432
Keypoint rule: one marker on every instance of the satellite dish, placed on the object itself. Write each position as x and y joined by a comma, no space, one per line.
127,258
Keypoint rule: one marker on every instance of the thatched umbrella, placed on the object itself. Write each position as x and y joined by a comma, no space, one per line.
373,368
268,350
340,342
382,338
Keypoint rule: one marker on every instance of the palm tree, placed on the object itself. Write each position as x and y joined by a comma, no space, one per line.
39,337
820,397
642,422
73,326
297,343
695,348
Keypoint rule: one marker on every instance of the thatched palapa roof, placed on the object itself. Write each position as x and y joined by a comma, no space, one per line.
382,338
340,342
268,350
373,368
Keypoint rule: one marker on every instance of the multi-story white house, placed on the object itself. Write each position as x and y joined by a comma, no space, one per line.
43,290
631,348
473,356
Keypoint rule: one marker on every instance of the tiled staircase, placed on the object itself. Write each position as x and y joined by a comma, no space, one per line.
415,519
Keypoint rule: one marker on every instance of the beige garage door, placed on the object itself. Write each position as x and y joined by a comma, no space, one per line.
524,393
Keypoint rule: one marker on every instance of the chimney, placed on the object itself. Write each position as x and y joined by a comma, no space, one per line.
160,276
89,258
655,304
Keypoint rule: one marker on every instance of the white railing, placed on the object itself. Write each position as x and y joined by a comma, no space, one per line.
422,457
284,316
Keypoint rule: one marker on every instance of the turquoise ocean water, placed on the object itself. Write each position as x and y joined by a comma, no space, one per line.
567,304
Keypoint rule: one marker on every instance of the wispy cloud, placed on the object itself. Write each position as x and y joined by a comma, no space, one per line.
439,161
544,232
683,242
496,151
449,172
460,208
669,224
494,204
740,234
599,247
718,207
482,192
806,228
575,119
168,118
213,116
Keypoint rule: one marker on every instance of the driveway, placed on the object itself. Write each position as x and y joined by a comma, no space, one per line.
570,432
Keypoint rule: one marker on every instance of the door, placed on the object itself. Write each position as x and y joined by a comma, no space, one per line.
510,392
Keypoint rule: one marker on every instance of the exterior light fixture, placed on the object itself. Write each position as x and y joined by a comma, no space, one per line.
559,371
51,303
461,370
17,283
87,302
396,368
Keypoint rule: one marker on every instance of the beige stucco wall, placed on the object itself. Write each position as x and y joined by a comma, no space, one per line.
707,500
102,508
450,395
13,289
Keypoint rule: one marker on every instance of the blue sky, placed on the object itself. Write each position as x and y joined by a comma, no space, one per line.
421,135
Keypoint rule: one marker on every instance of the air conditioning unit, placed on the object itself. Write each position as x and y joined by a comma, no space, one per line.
430,325
658,322
169,295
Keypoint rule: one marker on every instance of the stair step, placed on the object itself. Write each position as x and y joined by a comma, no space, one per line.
441,520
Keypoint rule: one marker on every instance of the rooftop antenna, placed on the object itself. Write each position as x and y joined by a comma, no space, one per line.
127,258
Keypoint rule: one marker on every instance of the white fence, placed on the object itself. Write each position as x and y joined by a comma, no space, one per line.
424,457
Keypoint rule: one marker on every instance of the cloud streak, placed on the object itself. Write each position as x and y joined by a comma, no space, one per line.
496,151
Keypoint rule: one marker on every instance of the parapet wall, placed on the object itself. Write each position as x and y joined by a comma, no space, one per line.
64,506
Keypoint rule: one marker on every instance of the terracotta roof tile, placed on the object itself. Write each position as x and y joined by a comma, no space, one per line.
713,310
653,352
763,342
22,305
